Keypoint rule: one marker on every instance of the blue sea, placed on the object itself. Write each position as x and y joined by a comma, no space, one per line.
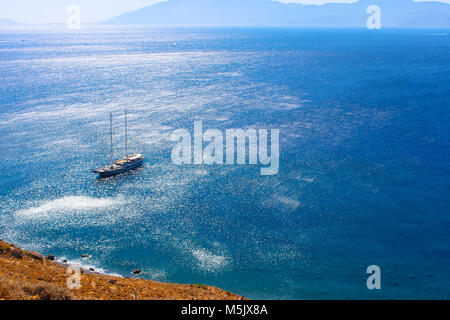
364,167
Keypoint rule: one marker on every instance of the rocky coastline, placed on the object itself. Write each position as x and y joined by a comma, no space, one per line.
28,275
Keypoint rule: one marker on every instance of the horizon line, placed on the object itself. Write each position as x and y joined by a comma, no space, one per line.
285,2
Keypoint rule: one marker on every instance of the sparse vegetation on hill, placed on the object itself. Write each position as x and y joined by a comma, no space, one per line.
28,276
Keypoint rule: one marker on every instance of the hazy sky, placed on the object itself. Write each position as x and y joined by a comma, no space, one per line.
54,11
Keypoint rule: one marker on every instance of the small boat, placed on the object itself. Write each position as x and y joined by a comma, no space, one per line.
130,162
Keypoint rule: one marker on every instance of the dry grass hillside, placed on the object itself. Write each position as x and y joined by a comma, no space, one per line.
27,275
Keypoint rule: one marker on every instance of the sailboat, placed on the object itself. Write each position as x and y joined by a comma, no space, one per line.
128,163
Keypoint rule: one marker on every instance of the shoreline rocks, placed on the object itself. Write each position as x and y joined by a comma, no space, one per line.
50,257
35,255
17,253
28,272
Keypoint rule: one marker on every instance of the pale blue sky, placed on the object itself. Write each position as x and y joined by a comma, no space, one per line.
54,11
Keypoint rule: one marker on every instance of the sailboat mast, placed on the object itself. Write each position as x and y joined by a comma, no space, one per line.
126,135
111,131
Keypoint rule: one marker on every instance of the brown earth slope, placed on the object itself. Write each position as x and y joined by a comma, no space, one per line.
26,275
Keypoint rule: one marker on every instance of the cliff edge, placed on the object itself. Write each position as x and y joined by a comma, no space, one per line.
26,275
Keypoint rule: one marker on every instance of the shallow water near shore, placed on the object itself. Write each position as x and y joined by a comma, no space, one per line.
364,177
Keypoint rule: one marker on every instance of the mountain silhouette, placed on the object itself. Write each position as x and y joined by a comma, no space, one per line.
394,13
8,22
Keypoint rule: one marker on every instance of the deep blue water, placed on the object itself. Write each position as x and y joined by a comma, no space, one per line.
364,176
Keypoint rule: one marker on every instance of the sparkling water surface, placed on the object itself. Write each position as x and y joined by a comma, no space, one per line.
364,175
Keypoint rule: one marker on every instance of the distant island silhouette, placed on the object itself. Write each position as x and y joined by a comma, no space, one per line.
398,13
9,22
